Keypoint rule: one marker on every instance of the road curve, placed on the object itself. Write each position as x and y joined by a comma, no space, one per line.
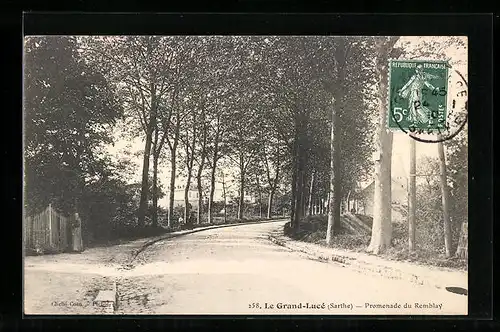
237,270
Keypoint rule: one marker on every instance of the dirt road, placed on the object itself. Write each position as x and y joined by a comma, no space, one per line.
234,270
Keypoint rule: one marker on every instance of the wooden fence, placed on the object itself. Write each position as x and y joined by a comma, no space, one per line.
47,231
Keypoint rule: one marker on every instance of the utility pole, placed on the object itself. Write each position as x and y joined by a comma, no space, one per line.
50,223
225,200
332,198
412,194
311,191
444,196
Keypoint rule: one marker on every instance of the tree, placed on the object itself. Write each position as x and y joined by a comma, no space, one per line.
222,77
382,221
224,194
201,160
189,141
272,157
69,111
341,53
296,90
196,152
215,152
173,143
345,81
142,66
298,105
184,76
157,146
244,142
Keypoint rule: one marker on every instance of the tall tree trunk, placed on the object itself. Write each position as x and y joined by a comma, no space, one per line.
173,165
154,194
348,202
299,160
304,194
412,196
445,199
270,203
260,196
187,190
327,204
333,199
143,203
294,186
200,172
293,195
189,165
149,127
211,198
155,190
241,198
173,170
299,201
200,196
311,191
382,205
212,178
273,182
334,203
225,198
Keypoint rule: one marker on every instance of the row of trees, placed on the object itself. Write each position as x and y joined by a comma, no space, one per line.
258,104
296,114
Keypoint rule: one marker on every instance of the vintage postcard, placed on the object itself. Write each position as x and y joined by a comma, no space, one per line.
254,175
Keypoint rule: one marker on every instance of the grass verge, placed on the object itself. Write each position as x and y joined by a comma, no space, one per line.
424,254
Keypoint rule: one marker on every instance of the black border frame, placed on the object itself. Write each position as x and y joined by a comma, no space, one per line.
478,28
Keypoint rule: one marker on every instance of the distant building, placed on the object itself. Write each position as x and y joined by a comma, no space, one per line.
179,194
193,195
399,194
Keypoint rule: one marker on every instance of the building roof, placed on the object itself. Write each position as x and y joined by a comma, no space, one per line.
367,188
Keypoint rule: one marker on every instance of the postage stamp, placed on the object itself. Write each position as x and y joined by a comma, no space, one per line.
418,95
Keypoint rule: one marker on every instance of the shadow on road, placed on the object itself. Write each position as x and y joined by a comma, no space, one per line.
457,290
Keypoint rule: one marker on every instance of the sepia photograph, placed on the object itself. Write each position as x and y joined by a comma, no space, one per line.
245,175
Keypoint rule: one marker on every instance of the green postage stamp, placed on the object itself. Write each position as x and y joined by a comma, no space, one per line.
418,95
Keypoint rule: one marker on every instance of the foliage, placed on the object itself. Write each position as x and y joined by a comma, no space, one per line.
429,215
69,108
457,167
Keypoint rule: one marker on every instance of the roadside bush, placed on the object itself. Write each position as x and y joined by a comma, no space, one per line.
367,220
287,229
429,233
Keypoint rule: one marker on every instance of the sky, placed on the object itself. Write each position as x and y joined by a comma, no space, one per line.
400,159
